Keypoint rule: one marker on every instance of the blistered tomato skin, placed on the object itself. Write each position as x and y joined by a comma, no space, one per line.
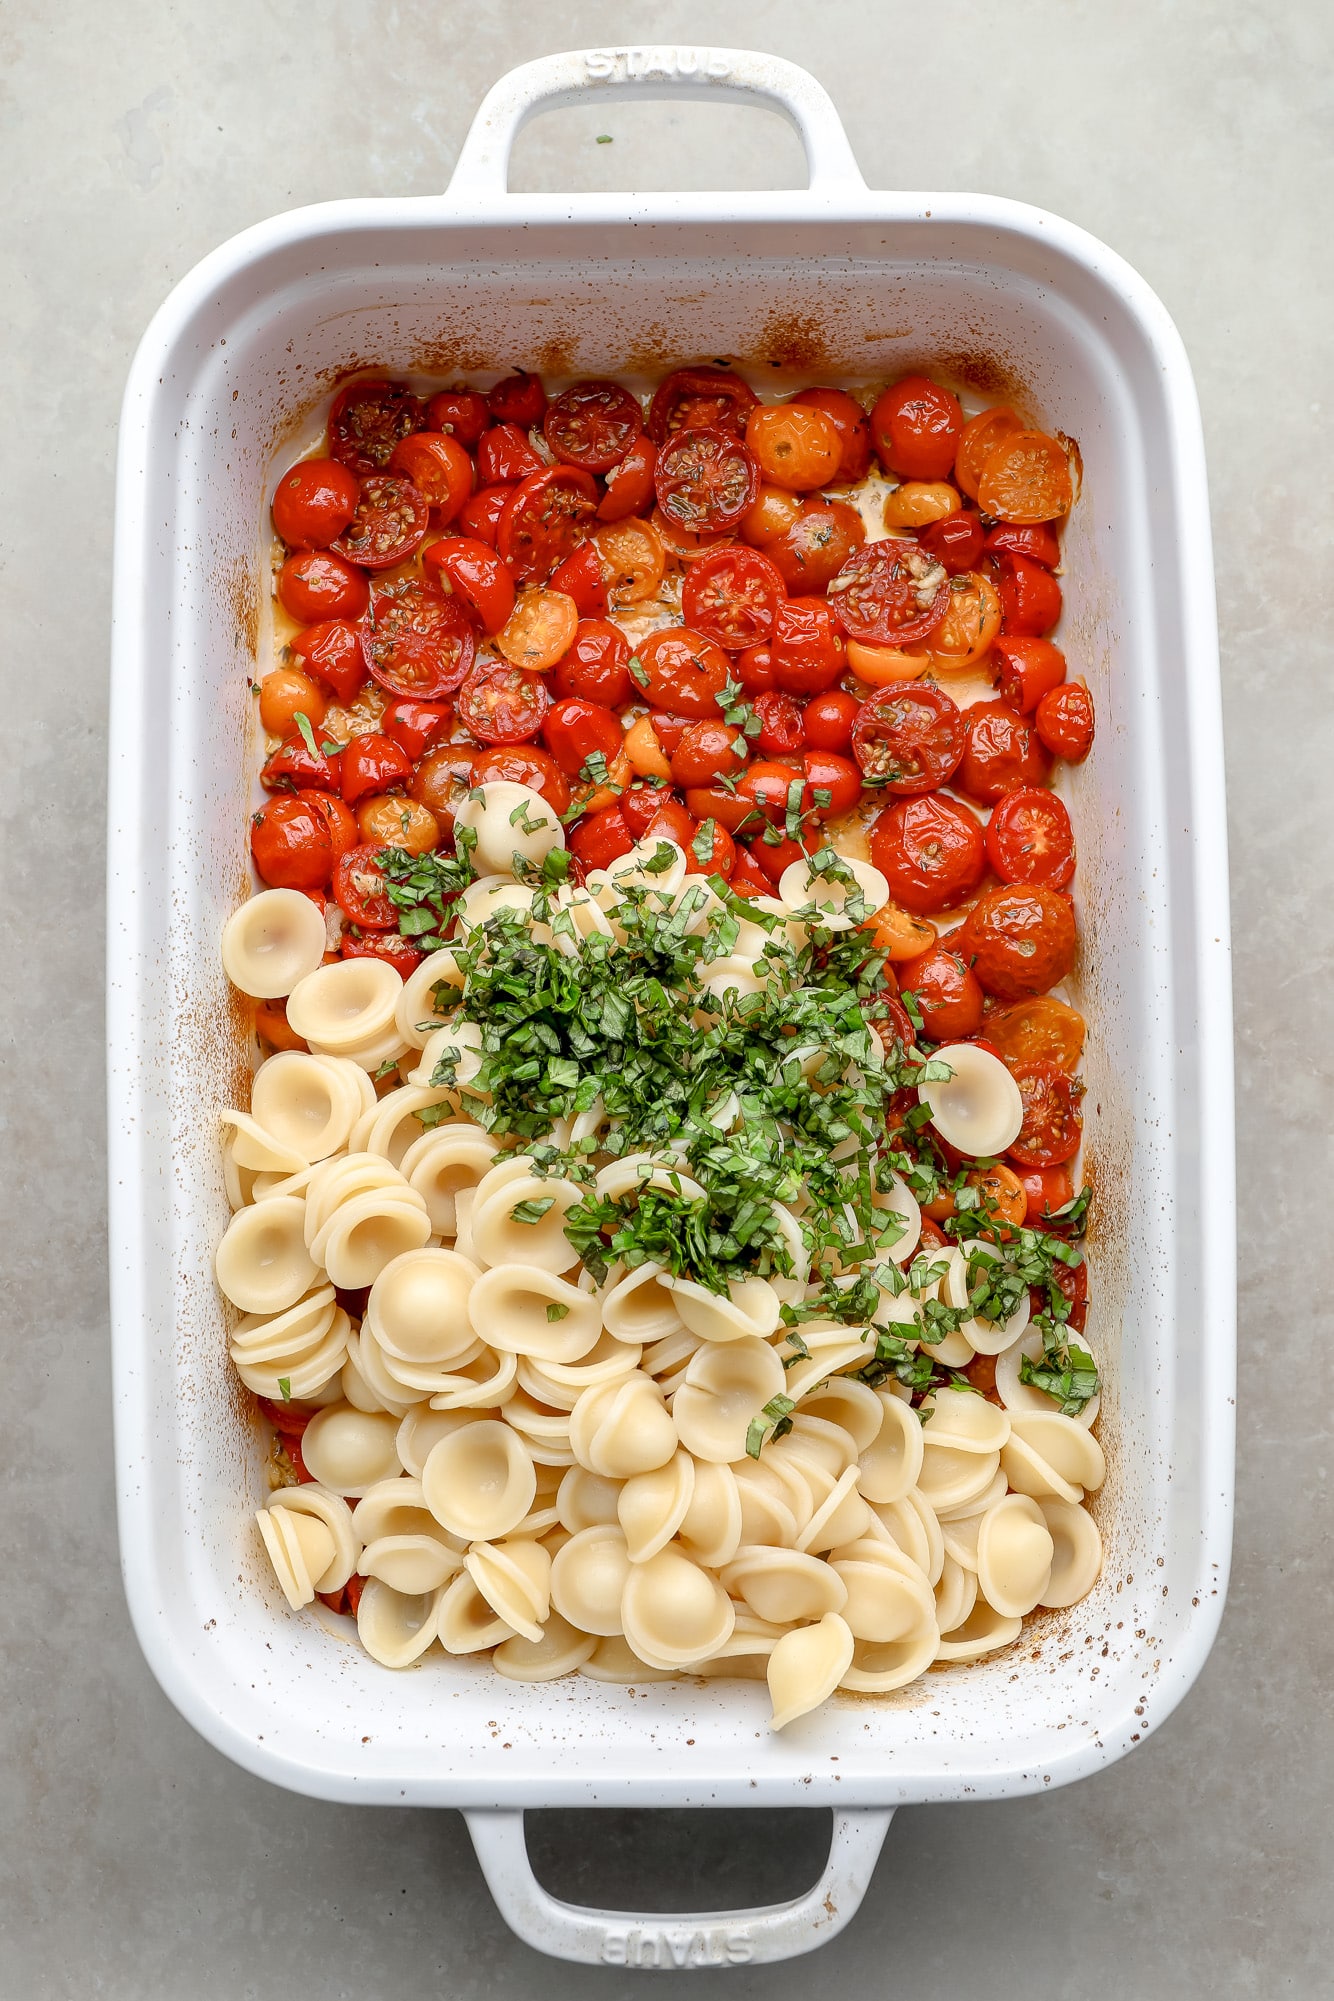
706,752
1021,940
806,648
294,765
930,850
416,727
853,427
684,673
467,569
601,838
575,730
518,399
524,764
828,720
333,651
916,427
314,502
1026,670
947,991
1030,597
1065,722
461,414
504,457
809,553
373,763
1002,753
291,844
597,665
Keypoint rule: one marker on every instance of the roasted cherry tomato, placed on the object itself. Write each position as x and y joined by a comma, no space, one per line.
773,857
639,802
524,764
505,456
915,427
1038,543
373,763
930,852
443,779
828,720
671,822
1026,478
1040,1030
360,890
368,419
461,414
593,425
418,641
668,730
291,843
772,512
336,817
909,739
548,516
811,551
1047,1189
286,693
732,597
294,766
480,516
400,953
746,878
1030,839
705,480
333,650
853,427
517,399
1030,596
781,732
1052,1122
806,648
316,585
634,560
890,593
416,727
465,568
947,991
776,790
1065,721
794,446
438,467
388,820
596,665
390,523
1020,938
1001,753
731,809
700,399
978,439
683,543
583,577
503,704
630,484
314,502
708,751
956,542
711,850
600,839
575,730
684,673
539,629
1027,669
838,777
754,669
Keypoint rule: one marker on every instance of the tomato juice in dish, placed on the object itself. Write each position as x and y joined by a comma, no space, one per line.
656,1223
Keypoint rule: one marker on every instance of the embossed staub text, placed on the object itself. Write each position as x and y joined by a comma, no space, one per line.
636,62
674,1945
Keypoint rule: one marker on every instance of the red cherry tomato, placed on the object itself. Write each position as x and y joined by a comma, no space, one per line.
517,399
776,790
916,426
465,568
754,669
806,648
390,523
400,953
1021,939
930,851
461,414
684,672
503,704
368,419
373,763
1047,1190
360,890
1027,669
829,718
669,730
438,467
1029,838
705,480
827,772
908,738
1065,721
1037,541
575,730
337,818
853,427
890,593
1053,1123
593,425
524,764
947,991
671,822
956,542
505,456
418,641
291,843
480,516
732,597
747,878
548,516
639,802
294,765
416,727
1030,596
711,850
700,399
314,502
1001,753
781,732
772,857
583,577
317,585
630,484
810,553
601,838
708,751
596,665
730,809
333,651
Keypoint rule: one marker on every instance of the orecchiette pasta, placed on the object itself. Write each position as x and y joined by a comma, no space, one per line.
805,1667
272,942
977,1108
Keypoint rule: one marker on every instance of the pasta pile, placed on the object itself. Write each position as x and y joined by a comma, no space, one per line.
606,1360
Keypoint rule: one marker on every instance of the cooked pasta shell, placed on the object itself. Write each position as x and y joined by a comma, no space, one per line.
467,1624
951,1476
891,1463
784,1585
978,1109
261,1151
523,1310
956,1594
535,1235
429,996
458,1045
613,1660
561,1384
725,1389
853,1407
642,868
652,1506
367,1383
421,1428
509,820
588,1579
515,1580
308,1103
622,1427
349,1451
633,1173
711,1525
297,1377
274,940
767,1509
1050,1457
395,1126
367,1233
267,1337
965,1421
984,1631
888,1598
345,1005
912,1526
878,1667
560,1651
821,899
586,1500
985,1337
1023,1397
262,1262
1015,1551
441,1162
326,1559
899,1204
638,1307
841,1515
412,1564
749,1307
397,1507
481,1382
479,1480
674,1612
397,1627
418,1308
806,1666
1077,1552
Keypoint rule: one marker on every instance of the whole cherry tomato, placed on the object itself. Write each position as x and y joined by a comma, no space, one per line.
773,857
947,991
1027,669
291,843
316,585
503,704
461,414
1047,1189
777,791
314,501
700,399
575,730
390,524
443,779
368,419
711,850
596,665
732,597
480,516
524,764
1030,596
781,733
683,672
956,541
669,730
630,484
465,567
747,879
295,765
333,651
361,891
930,852
639,802
916,426
705,480
730,809
517,399
1001,753
810,552
286,693
1065,721
504,457
336,817
838,777
1029,838
853,427
438,467
806,649
1037,541
1039,1029
593,425
828,720
418,641
909,738
794,446
549,515
754,669
388,820
1021,939
772,512
583,577
602,838
708,751
416,727
373,763
1052,1124
890,593
671,822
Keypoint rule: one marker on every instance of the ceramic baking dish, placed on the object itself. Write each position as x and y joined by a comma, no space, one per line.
833,283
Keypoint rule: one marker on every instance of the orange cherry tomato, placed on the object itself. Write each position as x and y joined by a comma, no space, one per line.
916,426
881,666
1039,1030
772,513
286,693
899,934
314,502
1026,478
971,624
539,629
1002,1194
630,484
394,822
794,446
273,1027
947,992
443,779
979,437
809,554
438,467
634,560
853,427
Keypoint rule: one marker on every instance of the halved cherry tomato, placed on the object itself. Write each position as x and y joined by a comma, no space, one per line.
684,673
503,704
978,439
700,399
438,467
314,501
601,839
853,427
1029,838
634,560
885,666
1065,721
1002,1195
1027,669
806,648
1040,1030
316,585
517,399
418,641
890,593
919,504
772,512
286,693
705,480
781,732
794,446
1037,542
711,850
360,891
909,739
746,878
732,597
480,516
827,772
708,751
575,730
504,457
776,790
416,727
930,852
400,953
630,484
1001,753
971,624
754,669
1047,1189
596,665
810,553
1030,596
291,843
547,518
828,720
465,568
1021,939
524,764
539,629
367,421
294,766
373,763
900,935
388,820
443,779
683,543
336,817
956,542
1026,478
390,524
583,577
461,414
947,991
593,425
916,426
1053,1124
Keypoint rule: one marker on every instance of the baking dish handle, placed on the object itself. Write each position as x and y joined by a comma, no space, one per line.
730,75
701,1939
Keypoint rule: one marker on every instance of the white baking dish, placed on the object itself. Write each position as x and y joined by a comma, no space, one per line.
833,283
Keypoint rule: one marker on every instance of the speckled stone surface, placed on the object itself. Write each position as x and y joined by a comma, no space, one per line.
1196,138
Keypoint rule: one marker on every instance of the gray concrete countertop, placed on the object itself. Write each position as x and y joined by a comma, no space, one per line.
1195,138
